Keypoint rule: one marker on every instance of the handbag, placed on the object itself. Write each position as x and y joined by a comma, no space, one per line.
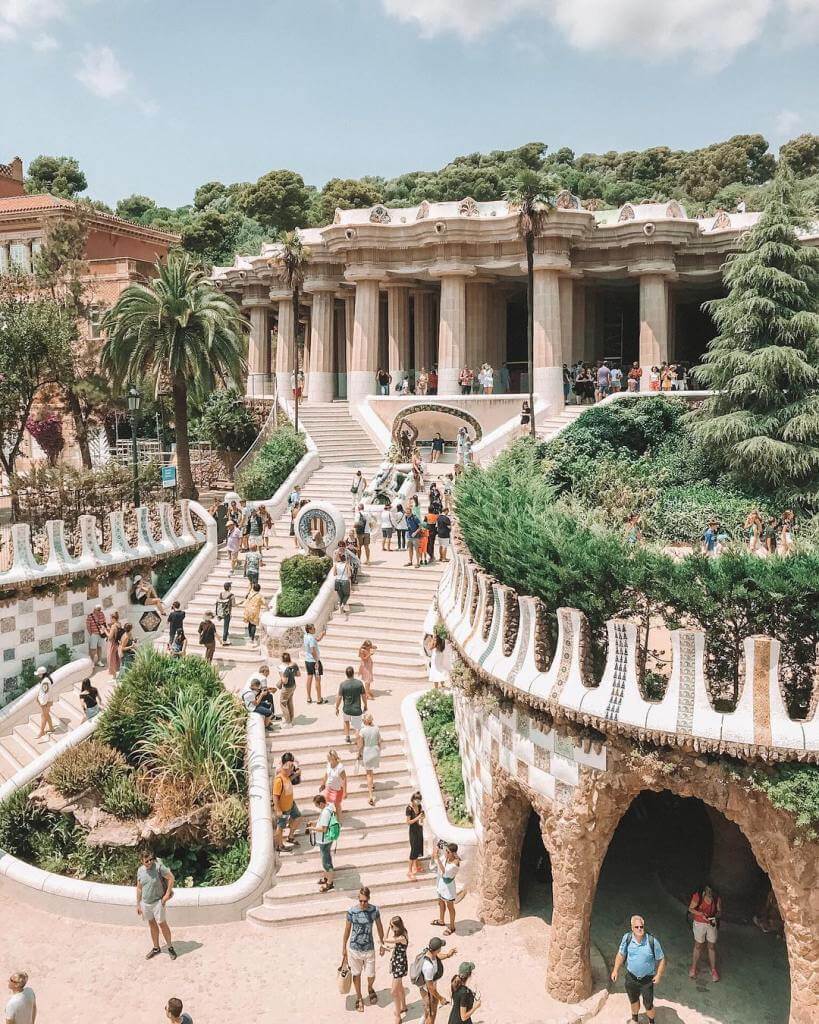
345,978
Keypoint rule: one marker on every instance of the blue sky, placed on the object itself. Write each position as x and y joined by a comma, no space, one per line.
158,96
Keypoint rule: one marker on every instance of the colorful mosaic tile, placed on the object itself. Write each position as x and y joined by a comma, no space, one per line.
122,585
26,607
27,635
564,746
523,724
7,624
78,637
61,628
108,602
61,599
44,617
541,758
563,793
46,645
8,654
77,609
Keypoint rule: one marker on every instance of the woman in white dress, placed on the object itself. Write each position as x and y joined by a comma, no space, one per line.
334,783
486,378
446,864
439,662
369,753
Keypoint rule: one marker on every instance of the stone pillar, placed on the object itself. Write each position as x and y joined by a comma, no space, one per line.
364,356
285,344
4,258
477,326
505,817
349,328
451,333
320,385
653,324
578,325
422,330
497,343
566,317
548,353
258,354
398,331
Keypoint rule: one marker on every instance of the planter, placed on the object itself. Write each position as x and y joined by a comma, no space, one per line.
284,633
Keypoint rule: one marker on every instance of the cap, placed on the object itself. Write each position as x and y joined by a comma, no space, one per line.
97,607
466,968
41,671
137,579
436,943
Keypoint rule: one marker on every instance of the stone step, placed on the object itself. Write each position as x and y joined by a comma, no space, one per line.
304,891
313,750
389,771
346,858
334,905
330,728
12,757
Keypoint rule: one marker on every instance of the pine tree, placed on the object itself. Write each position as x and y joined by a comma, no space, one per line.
762,427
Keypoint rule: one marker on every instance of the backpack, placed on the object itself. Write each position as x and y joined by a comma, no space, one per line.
333,828
629,936
360,523
416,972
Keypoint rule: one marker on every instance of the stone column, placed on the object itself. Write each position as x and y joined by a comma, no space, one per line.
340,315
363,362
285,343
547,349
566,287
422,330
504,818
653,324
477,326
349,328
4,257
498,341
259,343
451,332
578,325
320,385
398,331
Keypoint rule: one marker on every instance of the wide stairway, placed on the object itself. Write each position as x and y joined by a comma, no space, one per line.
547,426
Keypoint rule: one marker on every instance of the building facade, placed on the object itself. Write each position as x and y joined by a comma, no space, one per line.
444,285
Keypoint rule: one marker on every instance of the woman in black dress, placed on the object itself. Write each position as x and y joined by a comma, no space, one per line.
90,697
415,820
397,940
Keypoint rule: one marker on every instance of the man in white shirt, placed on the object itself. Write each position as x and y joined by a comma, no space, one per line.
22,1007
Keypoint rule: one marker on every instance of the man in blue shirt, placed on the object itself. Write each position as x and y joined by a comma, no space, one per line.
710,539
413,538
645,965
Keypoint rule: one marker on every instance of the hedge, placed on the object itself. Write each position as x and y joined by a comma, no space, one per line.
436,710
272,464
301,578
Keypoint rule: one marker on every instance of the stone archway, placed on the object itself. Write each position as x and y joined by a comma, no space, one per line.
505,817
432,410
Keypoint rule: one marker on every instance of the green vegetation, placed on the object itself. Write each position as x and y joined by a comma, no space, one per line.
793,788
226,422
85,766
271,465
437,712
227,866
171,569
301,577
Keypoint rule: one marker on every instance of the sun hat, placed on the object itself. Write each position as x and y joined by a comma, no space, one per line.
466,968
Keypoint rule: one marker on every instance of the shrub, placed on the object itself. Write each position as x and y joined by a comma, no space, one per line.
19,820
301,578
793,788
445,742
681,513
273,463
226,422
89,764
171,569
226,866
228,821
123,795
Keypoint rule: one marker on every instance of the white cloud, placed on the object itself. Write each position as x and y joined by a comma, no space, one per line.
711,30
102,73
44,43
18,16
788,123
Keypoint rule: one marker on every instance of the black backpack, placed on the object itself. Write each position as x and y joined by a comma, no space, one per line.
360,523
629,937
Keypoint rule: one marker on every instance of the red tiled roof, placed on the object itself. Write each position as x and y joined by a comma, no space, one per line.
27,204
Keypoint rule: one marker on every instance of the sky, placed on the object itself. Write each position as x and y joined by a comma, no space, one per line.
158,96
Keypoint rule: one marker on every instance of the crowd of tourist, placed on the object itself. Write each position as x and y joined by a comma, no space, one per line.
586,382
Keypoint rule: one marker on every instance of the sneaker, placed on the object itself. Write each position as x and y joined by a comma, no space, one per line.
715,974
152,953
171,952
691,972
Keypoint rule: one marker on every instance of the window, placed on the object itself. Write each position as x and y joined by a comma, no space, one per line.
95,315
20,256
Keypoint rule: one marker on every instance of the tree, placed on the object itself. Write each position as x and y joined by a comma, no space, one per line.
135,207
802,155
529,197
279,200
59,175
212,235
762,426
178,327
209,193
226,422
291,261
34,352
347,194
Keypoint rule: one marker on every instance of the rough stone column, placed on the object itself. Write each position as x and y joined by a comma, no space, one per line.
284,343
578,325
258,355
566,317
451,333
363,361
422,330
398,331
320,386
547,349
478,350
505,817
653,324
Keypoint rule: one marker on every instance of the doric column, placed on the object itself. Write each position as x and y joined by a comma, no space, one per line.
452,325
653,324
547,349
349,330
320,384
477,326
578,324
566,287
364,356
398,331
285,342
422,330
256,301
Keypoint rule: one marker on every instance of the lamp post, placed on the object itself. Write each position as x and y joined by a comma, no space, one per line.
134,399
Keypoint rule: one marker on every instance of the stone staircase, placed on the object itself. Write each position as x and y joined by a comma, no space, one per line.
547,426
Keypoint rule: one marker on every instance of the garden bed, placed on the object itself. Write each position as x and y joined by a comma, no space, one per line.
436,710
271,465
301,578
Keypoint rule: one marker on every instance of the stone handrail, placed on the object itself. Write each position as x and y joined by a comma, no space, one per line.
498,633
116,904
285,632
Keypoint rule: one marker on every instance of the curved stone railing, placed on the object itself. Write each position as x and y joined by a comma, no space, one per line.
115,904
496,632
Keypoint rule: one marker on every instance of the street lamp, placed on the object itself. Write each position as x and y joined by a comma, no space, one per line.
134,399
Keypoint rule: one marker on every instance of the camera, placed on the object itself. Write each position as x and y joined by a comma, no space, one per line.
441,844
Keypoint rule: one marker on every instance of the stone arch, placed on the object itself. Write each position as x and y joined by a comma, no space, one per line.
436,407
505,817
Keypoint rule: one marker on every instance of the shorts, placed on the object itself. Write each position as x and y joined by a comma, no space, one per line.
95,642
314,668
386,532
413,542
361,962
334,797
153,912
354,721
326,851
637,987
704,932
288,816
443,542
252,577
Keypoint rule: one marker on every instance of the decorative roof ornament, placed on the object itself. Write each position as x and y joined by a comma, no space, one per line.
566,201
337,217
423,211
674,210
593,204
722,221
627,213
379,214
468,207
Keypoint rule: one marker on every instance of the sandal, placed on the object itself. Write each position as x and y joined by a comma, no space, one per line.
359,1005
371,802
373,999
437,924
449,931
327,888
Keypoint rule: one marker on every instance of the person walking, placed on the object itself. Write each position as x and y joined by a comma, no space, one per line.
175,1012
463,447
369,753
97,629
342,583
705,908
352,701
176,617
440,662
178,645
446,863
45,701
268,528
436,501
413,539
443,530
432,970
324,837
464,1001
225,603
207,635
285,809
334,783
114,636
386,527
397,940
90,699
255,526
233,543
415,820
437,448
253,607
365,666
358,947
253,565
363,530
154,889
399,522
357,488
21,1007
127,647
312,663
645,965
288,671
430,524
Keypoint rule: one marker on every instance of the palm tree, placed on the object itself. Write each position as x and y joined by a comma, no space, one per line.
290,262
177,328
529,196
